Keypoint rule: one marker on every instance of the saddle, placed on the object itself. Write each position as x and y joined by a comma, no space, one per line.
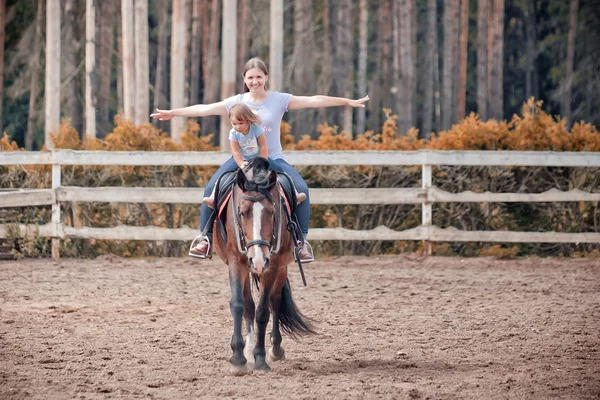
224,189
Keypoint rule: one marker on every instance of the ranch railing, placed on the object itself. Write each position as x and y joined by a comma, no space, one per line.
426,195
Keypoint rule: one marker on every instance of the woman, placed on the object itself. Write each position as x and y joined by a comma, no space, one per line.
270,107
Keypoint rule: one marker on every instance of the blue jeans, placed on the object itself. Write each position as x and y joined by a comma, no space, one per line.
280,165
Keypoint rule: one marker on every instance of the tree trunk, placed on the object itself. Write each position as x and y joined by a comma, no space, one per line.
178,59
405,120
276,46
449,66
160,99
461,105
2,40
90,69
363,37
228,64
213,72
429,67
496,61
128,57
530,48
142,70
568,83
35,74
120,95
243,40
73,63
326,77
107,36
196,61
52,79
482,59
347,24
303,65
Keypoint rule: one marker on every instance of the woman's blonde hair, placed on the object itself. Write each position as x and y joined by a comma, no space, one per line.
242,112
258,64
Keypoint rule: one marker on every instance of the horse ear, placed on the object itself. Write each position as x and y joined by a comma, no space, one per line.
241,179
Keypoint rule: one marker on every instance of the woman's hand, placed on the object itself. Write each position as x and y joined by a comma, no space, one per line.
359,102
162,115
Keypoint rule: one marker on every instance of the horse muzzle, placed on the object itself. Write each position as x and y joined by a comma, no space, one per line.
257,258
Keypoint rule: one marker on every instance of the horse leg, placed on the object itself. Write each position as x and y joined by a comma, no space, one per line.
276,352
262,319
237,362
249,313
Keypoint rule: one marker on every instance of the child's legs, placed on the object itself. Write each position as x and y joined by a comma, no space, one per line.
303,210
206,211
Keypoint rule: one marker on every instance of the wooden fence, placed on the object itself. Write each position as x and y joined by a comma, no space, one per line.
426,195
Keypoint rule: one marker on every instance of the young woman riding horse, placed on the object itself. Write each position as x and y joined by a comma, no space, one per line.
257,244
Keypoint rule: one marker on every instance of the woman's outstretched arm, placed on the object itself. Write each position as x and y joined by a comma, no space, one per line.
299,102
198,110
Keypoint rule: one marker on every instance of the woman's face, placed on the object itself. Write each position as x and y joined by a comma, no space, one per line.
255,79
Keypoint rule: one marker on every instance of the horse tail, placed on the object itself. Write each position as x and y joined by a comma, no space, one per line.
291,319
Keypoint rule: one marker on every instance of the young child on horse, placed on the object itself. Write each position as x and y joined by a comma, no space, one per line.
247,142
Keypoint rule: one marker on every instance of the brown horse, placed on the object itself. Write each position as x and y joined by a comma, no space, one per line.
258,246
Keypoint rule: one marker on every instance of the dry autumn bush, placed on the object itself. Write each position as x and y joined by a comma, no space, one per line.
533,130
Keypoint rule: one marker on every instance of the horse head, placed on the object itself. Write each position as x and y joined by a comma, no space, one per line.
256,211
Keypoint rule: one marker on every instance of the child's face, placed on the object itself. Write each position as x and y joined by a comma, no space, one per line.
239,125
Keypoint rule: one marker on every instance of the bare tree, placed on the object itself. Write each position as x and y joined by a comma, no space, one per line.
178,58
160,100
462,64
2,39
196,52
228,64
449,73
276,45
568,83
90,69
128,57
404,58
243,39
35,75
142,71
496,60
482,59
213,72
52,82
74,63
429,67
303,65
105,56
530,48
363,36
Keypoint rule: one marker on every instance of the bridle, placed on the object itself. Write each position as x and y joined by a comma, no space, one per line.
243,247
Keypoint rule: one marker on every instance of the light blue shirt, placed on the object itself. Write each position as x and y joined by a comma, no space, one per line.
248,143
271,113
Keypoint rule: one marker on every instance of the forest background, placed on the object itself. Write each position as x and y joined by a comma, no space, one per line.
431,62
443,75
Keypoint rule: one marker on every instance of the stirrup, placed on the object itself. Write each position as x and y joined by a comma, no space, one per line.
197,240
311,252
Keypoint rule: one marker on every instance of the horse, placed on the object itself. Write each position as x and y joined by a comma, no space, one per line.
253,239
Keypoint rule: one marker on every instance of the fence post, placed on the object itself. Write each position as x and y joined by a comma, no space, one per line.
56,182
426,205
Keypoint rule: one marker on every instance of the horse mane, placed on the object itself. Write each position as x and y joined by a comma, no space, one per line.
257,176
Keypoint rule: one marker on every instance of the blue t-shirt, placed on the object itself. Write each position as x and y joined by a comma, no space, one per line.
271,113
248,143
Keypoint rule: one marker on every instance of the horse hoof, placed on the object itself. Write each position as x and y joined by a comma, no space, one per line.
275,357
239,370
262,368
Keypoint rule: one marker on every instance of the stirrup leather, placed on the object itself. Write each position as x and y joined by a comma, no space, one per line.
197,240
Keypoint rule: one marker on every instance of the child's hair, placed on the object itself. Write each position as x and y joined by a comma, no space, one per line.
242,112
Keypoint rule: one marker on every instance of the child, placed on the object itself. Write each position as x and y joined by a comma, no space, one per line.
247,140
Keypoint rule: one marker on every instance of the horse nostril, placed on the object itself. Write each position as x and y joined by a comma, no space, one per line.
267,263
251,263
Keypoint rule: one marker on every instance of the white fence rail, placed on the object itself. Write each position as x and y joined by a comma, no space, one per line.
426,195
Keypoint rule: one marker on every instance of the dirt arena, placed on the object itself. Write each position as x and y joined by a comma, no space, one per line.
389,328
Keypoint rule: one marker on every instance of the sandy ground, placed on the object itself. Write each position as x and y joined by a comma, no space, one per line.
389,327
